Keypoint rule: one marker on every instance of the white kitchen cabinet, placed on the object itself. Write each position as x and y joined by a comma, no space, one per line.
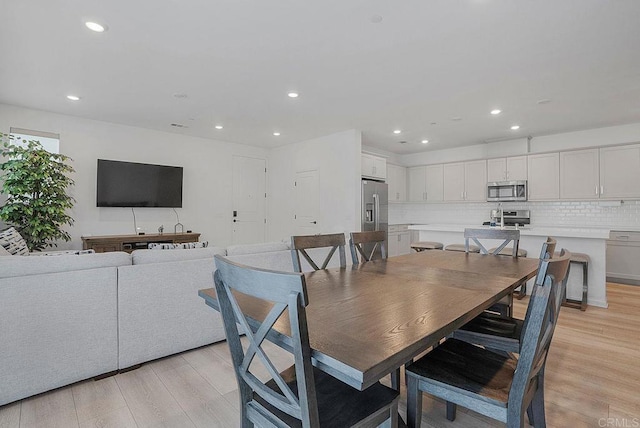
544,176
435,183
465,181
579,174
374,166
417,178
454,181
475,181
620,172
425,183
503,169
398,240
397,181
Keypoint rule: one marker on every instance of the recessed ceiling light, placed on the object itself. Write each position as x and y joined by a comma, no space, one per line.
515,127
544,101
424,141
73,97
180,95
397,131
293,95
94,26
276,134
376,19
496,111
434,123
218,126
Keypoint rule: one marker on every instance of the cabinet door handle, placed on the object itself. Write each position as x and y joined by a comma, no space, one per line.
596,190
601,190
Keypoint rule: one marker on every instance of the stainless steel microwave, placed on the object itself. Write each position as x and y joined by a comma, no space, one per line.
505,191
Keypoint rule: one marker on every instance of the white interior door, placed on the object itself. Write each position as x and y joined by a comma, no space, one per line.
249,184
307,200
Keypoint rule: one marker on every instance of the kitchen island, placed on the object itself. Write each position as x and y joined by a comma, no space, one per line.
590,241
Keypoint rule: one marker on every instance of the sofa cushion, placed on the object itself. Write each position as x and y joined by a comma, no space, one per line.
236,250
13,242
141,257
24,266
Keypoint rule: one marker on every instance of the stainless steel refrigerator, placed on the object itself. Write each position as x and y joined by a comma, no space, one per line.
375,209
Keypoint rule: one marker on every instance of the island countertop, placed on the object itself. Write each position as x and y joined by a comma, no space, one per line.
567,232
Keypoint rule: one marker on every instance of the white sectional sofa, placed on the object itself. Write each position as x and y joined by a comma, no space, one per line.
58,321
73,317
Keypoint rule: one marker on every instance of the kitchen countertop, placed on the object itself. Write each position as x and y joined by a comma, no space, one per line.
568,232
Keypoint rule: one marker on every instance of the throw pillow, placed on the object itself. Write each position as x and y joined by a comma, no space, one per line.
4,252
64,253
11,240
183,246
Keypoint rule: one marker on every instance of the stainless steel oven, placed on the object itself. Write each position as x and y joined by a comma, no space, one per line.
507,191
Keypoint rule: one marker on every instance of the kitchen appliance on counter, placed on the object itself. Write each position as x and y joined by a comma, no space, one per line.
375,210
623,254
517,218
507,191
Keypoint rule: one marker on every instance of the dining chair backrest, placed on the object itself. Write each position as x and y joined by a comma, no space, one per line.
364,245
548,248
507,236
538,329
300,245
287,292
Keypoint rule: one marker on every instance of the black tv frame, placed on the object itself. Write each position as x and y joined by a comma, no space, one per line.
138,185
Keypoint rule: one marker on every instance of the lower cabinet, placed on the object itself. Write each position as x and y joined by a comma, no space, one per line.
399,240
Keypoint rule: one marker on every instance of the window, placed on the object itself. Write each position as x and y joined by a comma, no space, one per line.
50,141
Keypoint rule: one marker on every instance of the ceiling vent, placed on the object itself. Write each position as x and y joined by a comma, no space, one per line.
179,125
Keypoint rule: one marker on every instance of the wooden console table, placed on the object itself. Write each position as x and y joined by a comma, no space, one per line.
128,243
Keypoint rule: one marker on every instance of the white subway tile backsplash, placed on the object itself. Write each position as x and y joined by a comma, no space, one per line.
566,213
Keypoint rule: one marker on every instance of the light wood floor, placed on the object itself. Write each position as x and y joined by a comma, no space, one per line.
593,374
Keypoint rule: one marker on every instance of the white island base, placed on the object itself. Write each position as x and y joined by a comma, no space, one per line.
578,240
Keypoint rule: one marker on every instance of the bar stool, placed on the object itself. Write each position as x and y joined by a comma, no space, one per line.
460,247
426,245
508,251
581,259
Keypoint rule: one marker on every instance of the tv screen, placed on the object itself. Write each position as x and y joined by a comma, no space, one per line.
129,184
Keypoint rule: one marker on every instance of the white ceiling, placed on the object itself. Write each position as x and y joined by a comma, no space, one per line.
425,63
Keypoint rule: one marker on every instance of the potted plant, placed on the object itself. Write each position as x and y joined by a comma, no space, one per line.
35,184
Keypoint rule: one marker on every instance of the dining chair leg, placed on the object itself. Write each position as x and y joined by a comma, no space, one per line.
451,411
414,403
395,379
536,409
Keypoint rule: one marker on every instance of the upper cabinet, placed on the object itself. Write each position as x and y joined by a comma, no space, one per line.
544,176
503,169
374,166
465,181
425,183
620,172
435,183
397,181
579,174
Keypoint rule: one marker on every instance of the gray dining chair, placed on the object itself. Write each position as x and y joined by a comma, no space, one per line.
363,245
301,243
499,333
508,236
301,395
498,386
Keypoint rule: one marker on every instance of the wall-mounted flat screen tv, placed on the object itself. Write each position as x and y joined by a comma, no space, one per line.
129,184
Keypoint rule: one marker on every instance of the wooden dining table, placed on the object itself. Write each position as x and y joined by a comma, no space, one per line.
367,320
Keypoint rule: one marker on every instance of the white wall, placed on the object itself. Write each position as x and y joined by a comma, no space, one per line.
207,173
337,159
